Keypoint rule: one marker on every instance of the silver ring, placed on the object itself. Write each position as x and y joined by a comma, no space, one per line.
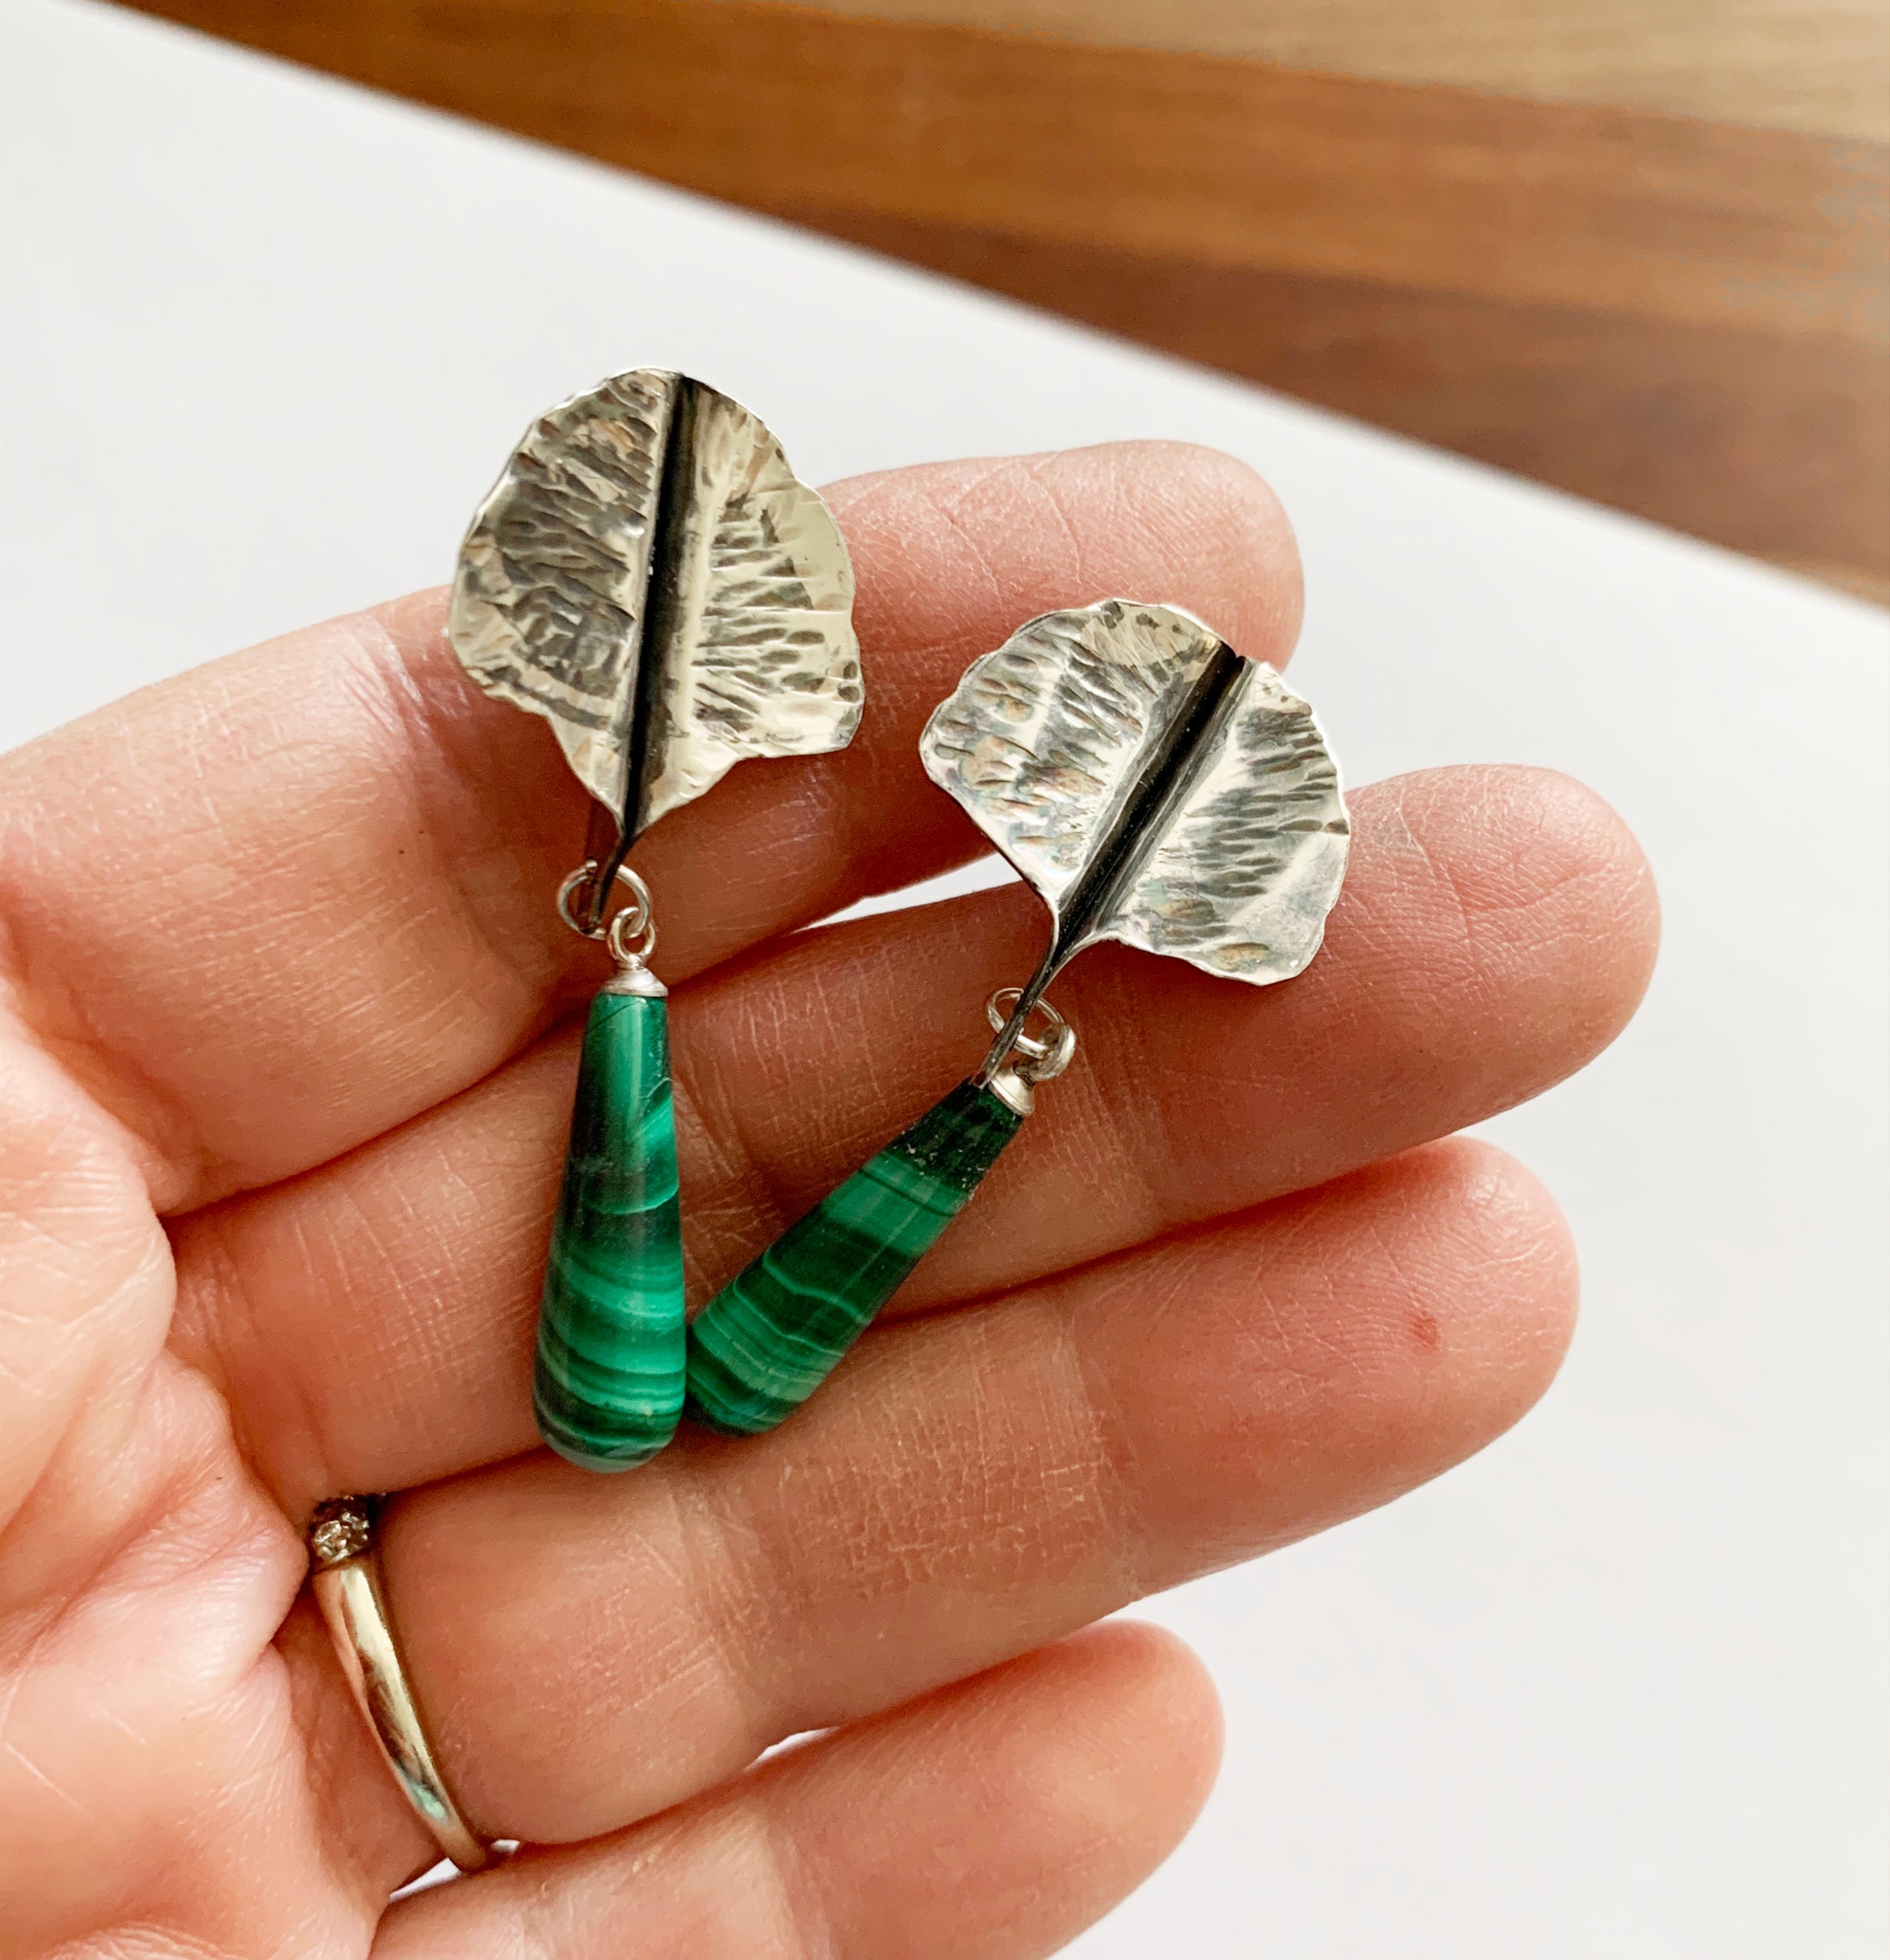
1044,1057
636,920
345,1576
633,919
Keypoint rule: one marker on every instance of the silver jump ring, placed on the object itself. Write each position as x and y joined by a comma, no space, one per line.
1045,1056
636,921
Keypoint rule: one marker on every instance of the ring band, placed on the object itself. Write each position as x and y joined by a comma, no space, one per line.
345,1576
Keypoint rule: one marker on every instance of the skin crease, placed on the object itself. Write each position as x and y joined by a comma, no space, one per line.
286,1059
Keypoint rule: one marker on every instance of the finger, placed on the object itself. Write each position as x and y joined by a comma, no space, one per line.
590,1650
1497,930
268,910
373,1325
992,1821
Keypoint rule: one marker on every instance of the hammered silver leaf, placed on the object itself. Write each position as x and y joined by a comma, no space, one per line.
557,606
1152,786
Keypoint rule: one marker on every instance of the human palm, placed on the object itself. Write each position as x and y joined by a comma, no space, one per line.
285,1066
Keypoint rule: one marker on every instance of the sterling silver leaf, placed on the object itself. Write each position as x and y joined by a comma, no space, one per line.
1154,788
648,575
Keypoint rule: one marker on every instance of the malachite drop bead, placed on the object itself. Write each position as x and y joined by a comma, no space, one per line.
608,1386
775,1332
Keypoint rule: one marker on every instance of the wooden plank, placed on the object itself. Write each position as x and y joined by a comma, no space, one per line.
1821,67
1561,252
1220,161
1733,436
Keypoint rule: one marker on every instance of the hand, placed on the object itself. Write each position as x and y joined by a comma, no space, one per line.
285,1068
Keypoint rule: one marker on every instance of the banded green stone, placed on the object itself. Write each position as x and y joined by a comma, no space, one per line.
776,1331
608,1386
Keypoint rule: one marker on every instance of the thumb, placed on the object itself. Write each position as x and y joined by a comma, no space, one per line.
86,1290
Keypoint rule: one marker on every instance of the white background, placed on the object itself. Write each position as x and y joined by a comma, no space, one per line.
1618,1687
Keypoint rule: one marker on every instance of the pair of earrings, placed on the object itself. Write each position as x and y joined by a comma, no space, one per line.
649,576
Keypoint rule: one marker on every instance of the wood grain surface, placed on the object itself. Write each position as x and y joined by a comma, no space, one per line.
1819,66
1685,319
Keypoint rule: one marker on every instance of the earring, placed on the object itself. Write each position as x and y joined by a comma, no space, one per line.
1153,787
649,576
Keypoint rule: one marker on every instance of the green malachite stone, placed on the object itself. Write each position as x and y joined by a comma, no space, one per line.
775,1332
608,1387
